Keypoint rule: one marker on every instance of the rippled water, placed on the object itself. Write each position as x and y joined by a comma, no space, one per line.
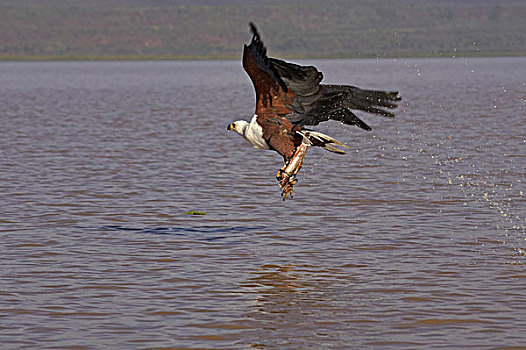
413,240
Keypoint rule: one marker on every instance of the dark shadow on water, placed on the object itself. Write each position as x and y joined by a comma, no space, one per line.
206,233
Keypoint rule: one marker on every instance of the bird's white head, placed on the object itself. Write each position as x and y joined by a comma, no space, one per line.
239,126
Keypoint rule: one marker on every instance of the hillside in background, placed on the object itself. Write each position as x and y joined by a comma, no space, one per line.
68,29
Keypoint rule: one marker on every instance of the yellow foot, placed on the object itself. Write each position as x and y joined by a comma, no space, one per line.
286,183
280,173
287,190
284,178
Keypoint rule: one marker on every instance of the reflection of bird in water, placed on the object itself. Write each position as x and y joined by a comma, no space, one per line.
296,301
277,288
281,278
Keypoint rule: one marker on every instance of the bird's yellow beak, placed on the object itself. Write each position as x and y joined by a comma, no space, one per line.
231,127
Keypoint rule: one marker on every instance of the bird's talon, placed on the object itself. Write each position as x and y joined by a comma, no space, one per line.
287,191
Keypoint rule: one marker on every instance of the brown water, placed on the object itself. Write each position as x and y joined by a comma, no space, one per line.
416,239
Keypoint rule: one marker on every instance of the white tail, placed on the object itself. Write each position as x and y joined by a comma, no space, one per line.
324,141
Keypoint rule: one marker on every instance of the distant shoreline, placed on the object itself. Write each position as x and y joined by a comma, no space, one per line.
22,58
153,30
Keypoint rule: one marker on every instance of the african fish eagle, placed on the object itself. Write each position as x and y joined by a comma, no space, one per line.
290,96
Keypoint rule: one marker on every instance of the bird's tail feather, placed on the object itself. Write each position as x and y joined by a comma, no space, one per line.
315,138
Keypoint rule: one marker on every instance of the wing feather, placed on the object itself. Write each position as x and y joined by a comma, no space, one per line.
273,97
291,92
272,94
295,92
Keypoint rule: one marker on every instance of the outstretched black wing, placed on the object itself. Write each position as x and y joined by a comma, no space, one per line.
315,103
309,102
272,94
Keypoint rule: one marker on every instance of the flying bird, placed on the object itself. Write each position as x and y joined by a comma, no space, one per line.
289,97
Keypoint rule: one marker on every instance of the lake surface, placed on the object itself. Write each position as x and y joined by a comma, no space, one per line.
415,239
